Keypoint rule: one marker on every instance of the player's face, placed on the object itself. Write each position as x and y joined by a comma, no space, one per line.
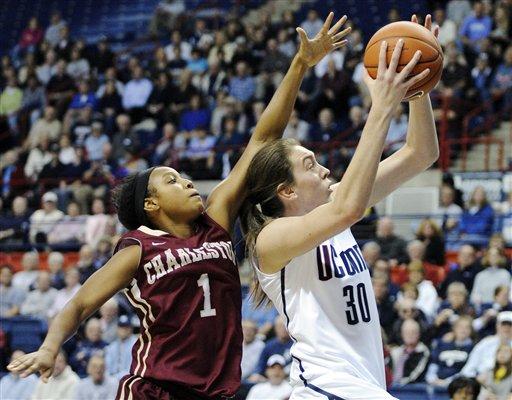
174,195
312,182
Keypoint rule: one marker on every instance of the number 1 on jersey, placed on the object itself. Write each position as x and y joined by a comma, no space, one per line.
207,310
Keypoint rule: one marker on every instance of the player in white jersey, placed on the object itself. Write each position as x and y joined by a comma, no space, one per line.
307,261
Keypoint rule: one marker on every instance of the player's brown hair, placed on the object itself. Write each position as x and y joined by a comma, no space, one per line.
269,168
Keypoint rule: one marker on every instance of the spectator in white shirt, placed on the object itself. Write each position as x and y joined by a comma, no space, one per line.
277,386
297,128
98,225
118,354
72,280
252,348
97,385
38,301
137,91
61,385
43,220
447,28
312,24
11,297
176,41
30,263
493,275
52,34
108,319
480,359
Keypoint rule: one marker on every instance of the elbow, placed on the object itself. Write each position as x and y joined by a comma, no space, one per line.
354,214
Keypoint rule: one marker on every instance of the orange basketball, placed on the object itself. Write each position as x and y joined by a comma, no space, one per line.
415,37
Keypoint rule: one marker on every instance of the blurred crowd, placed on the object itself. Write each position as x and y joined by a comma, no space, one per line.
75,118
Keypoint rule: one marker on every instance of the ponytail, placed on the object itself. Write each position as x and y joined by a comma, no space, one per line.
269,168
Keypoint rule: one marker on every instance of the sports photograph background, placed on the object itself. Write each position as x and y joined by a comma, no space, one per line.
91,91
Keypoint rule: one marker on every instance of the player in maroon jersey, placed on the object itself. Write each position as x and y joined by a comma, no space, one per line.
176,266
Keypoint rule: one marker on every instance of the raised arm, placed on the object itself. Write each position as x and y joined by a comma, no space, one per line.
420,150
115,275
286,238
225,200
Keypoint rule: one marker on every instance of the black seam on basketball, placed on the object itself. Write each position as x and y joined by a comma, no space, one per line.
370,44
439,53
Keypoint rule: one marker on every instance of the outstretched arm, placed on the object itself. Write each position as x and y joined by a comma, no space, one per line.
225,200
419,152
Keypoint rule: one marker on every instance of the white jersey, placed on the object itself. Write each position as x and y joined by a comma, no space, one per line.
326,297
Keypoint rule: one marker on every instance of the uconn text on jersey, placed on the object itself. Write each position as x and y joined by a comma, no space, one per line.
338,265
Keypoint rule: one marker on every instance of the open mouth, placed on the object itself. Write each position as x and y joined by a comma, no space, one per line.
195,194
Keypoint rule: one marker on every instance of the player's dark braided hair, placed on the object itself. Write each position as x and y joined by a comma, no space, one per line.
269,169
124,198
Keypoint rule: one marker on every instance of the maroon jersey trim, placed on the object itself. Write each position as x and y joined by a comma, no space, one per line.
126,388
134,296
152,232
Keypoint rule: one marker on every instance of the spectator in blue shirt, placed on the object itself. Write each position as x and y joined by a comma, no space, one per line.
477,221
485,324
84,98
118,354
95,141
450,354
197,63
12,386
86,348
501,87
475,27
195,116
280,344
242,86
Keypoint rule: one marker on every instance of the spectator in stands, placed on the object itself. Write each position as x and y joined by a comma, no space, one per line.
479,360
10,102
326,128
98,224
198,161
84,97
39,300
163,153
407,309
274,63
52,34
33,101
47,69
312,24
450,355
501,87
70,229
103,58
456,78
26,278
297,128
124,138
371,253
65,43
427,295
463,271
397,131
410,360
485,324
242,86
14,387
392,246
462,388
53,170
264,317
85,264
482,74
38,157
477,220
280,344
56,268
475,28
136,94
497,382
430,234
447,28
118,354
276,386
109,312
492,276
31,36
160,97
61,385
97,385
387,313
81,128
78,67
196,116
43,220
72,282
92,344
11,297
252,348
14,225
177,42
452,309
60,88
197,63
95,141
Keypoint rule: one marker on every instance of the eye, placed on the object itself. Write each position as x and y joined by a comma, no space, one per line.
172,180
310,166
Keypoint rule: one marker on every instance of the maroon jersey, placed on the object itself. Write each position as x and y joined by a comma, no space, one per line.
187,295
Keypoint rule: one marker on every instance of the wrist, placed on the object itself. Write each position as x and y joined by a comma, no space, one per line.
299,62
48,349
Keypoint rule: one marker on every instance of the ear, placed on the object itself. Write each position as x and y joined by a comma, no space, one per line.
286,192
151,204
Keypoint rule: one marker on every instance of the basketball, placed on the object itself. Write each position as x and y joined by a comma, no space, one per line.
416,37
